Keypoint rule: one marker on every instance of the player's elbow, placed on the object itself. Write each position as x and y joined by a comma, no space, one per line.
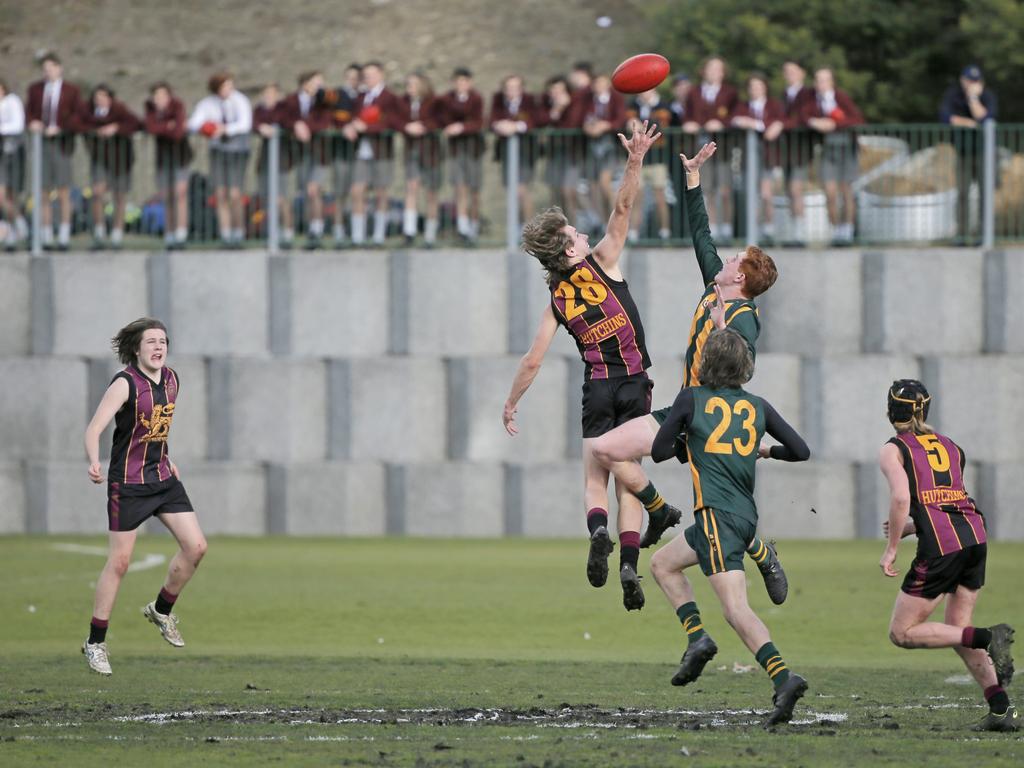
531,363
802,453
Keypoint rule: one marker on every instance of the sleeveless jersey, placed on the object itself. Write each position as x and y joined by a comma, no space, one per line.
944,515
722,441
603,319
139,452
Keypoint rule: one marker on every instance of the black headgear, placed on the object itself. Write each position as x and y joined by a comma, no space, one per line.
904,403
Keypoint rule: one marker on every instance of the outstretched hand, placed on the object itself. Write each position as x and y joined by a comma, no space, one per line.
693,164
718,309
640,141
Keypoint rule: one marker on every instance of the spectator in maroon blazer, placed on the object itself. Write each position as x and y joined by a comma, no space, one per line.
166,120
651,107
604,115
796,145
829,113
343,103
709,109
108,125
461,115
266,120
422,157
379,116
767,116
564,160
514,113
53,108
308,121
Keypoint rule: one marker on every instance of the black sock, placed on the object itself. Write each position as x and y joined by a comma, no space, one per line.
165,602
629,548
976,637
98,630
596,518
998,701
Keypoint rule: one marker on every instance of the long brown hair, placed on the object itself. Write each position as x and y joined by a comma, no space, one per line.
126,342
545,239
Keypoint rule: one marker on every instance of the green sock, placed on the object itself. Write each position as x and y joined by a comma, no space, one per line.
652,501
690,618
771,660
758,550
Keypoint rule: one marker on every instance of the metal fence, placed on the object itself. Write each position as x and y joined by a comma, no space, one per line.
876,184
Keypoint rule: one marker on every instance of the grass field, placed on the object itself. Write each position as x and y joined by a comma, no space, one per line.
413,652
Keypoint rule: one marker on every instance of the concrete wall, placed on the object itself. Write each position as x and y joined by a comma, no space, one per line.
360,392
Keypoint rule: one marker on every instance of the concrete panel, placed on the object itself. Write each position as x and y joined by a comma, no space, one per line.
924,301
339,304
327,498
458,303
42,408
218,303
844,403
13,500
453,499
62,499
815,306
15,305
1000,498
1012,280
94,296
547,500
269,410
537,298
228,497
787,492
977,401
398,409
777,378
666,285
478,388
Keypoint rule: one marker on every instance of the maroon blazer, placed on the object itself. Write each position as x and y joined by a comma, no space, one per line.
774,111
380,133
115,152
722,108
471,114
428,146
170,129
319,119
528,113
614,111
793,107
286,151
849,114
69,107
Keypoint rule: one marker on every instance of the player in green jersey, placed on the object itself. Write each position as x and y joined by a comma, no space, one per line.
723,426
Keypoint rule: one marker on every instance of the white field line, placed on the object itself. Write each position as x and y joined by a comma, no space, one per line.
151,560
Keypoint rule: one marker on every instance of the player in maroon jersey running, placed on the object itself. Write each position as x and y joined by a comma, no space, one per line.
927,497
142,481
591,299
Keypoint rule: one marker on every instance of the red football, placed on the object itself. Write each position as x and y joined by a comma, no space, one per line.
208,128
640,73
370,114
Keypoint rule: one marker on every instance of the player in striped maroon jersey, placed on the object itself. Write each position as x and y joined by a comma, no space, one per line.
142,481
591,299
927,497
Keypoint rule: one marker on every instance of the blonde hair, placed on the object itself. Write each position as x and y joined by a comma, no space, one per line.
917,425
545,238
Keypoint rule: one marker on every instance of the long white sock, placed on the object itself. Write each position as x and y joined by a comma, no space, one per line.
430,232
225,234
462,225
116,235
664,233
236,234
65,234
380,226
316,227
410,218
339,231
288,234
21,227
180,235
99,231
46,235
474,228
358,228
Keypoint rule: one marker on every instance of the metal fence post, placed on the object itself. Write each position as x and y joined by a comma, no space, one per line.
270,205
37,192
988,184
750,191
512,193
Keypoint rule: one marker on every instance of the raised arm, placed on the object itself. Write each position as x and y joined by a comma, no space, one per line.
664,446
704,247
889,461
115,397
607,251
529,367
792,448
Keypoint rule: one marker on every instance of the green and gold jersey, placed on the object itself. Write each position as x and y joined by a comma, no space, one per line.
740,314
725,430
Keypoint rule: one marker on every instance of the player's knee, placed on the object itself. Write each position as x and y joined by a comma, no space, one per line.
899,637
119,564
196,551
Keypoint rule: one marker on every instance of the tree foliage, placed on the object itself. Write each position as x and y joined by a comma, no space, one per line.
895,57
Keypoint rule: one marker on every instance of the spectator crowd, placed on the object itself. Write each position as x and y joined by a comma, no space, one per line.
344,144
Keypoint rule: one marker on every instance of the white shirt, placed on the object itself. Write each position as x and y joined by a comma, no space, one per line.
793,91
709,92
51,100
12,115
646,107
305,102
235,112
371,95
827,102
365,148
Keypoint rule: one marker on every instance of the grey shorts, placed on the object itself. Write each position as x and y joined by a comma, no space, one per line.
116,179
12,171
465,169
838,164
376,174
526,172
429,175
601,158
311,170
227,169
171,175
341,173
262,181
56,164
717,174
562,172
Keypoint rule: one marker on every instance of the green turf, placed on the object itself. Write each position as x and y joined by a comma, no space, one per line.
298,633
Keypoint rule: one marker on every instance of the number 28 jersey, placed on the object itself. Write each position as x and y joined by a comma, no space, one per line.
603,319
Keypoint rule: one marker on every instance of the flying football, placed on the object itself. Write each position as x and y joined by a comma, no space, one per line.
640,73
